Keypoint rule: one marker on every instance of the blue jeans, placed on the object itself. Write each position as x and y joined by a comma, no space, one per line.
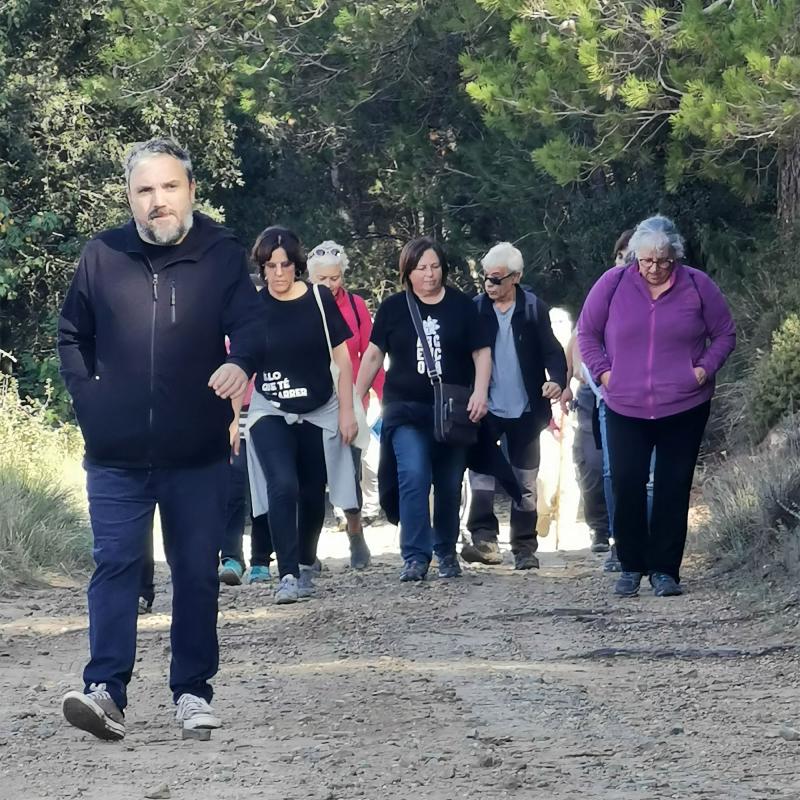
121,506
609,492
423,462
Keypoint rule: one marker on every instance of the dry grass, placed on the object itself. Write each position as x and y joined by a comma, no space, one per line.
753,519
43,525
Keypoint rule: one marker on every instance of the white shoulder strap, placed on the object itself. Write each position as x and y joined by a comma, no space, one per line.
318,298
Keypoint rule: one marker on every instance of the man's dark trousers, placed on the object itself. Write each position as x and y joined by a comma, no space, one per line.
520,438
192,504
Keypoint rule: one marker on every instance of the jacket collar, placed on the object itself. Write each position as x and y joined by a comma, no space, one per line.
487,308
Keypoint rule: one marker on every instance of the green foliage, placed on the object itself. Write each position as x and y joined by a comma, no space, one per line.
776,382
628,79
43,525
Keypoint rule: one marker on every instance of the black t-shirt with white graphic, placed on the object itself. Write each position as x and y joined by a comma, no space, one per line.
295,374
454,330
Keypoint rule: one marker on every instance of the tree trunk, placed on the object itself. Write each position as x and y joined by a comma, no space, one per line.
789,183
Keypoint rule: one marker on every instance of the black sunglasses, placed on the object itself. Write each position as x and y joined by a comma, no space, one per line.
495,281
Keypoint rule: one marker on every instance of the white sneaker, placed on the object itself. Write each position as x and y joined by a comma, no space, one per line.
287,591
194,712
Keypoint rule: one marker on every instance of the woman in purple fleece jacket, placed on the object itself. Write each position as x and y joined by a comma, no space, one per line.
654,334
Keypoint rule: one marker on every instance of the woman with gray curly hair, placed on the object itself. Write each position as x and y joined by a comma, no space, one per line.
327,264
654,333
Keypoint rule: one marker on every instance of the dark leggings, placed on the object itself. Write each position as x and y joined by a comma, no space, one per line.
631,442
293,460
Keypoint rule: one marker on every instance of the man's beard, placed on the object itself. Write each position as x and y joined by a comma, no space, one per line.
170,236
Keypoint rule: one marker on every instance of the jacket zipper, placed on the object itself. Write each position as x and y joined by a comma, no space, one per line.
151,414
650,358
172,301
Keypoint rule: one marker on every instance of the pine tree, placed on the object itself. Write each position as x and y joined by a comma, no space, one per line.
712,87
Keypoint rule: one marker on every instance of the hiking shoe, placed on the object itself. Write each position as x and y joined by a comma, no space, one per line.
145,607
287,591
359,552
600,543
612,562
665,585
230,572
525,560
449,566
193,712
316,568
258,573
413,571
305,583
482,553
627,584
95,713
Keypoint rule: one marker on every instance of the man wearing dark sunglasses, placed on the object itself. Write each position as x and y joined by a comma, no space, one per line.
529,370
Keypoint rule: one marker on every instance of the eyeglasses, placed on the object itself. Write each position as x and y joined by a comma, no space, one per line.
495,281
333,251
660,263
281,264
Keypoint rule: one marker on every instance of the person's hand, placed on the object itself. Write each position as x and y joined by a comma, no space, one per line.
478,406
605,378
229,381
551,390
348,427
565,399
701,376
233,436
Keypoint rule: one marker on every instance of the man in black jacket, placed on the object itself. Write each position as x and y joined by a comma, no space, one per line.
520,394
141,338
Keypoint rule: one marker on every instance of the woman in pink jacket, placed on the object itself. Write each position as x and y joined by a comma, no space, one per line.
654,334
327,263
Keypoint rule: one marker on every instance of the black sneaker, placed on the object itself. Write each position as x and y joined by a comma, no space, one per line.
449,566
413,571
628,584
600,543
612,563
95,713
665,585
525,560
359,551
482,553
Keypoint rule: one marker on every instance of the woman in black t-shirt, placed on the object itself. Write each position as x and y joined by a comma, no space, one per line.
460,347
299,432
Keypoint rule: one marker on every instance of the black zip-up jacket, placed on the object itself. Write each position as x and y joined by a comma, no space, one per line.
537,349
138,346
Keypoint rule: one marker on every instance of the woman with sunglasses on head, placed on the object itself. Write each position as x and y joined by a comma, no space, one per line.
327,263
412,459
298,430
654,334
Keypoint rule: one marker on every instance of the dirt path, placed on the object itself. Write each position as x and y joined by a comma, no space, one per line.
497,685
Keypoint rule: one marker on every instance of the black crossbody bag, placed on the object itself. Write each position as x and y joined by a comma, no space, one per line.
451,422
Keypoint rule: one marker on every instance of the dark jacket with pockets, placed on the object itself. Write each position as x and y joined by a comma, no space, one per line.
537,347
137,347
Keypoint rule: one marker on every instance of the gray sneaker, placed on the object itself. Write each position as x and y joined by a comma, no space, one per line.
95,713
305,583
145,607
287,591
525,559
359,551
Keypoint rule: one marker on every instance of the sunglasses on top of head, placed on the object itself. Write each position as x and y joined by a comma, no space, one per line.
495,281
321,251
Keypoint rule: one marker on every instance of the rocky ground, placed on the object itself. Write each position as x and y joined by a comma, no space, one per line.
501,684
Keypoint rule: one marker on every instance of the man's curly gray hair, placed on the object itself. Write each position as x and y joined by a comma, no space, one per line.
141,151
